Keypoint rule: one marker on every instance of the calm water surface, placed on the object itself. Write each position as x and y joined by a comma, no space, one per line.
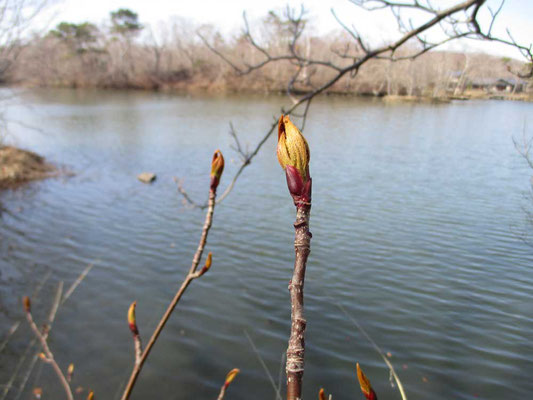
418,217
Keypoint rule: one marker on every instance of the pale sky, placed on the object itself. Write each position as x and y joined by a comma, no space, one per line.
517,15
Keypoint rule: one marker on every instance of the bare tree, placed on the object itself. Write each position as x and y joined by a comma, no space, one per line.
458,21
16,17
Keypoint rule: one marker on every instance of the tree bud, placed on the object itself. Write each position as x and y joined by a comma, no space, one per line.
293,156
217,167
131,318
292,147
27,303
366,387
207,264
231,376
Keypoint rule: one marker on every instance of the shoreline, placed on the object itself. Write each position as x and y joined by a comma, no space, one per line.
19,166
195,89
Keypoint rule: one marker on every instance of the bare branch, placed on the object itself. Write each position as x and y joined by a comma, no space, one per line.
42,338
378,350
77,282
191,275
58,300
263,364
352,32
457,21
381,4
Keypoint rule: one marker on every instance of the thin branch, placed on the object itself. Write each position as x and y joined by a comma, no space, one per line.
42,338
192,274
16,325
244,154
51,317
77,282
524,148
50,357
352,32
186,198
381,4
263,364
438,16
229,188
378,349
50,321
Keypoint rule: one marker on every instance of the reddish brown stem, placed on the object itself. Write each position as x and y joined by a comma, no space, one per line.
193,274
296,349
138,348
222,392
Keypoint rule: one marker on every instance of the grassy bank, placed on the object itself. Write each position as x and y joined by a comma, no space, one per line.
19,166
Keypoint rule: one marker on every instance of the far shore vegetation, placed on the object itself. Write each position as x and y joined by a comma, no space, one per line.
122,53
179,56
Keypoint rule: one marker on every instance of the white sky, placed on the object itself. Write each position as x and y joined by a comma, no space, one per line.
517,15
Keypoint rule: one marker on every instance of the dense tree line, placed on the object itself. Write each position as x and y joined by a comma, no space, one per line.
123,53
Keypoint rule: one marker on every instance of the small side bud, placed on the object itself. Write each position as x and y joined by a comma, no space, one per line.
217,167
321,394
43,357
70,372
366,387
208,263
209,260
231,376
37,393
27,304
132,322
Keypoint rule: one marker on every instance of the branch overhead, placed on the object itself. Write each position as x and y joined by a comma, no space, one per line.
289,50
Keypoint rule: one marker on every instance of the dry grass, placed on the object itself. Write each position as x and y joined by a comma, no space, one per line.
20,166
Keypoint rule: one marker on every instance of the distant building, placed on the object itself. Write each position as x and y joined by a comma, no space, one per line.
508,85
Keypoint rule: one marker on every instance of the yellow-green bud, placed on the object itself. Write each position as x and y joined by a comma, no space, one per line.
292,147
217,167
132,322
231,376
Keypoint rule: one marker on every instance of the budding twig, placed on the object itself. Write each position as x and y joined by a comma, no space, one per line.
293,156
217,167
48,356
229,378
135,332
49,322
59,300
378,350
70,372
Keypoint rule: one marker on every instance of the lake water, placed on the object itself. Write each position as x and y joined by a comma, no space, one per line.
418,221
